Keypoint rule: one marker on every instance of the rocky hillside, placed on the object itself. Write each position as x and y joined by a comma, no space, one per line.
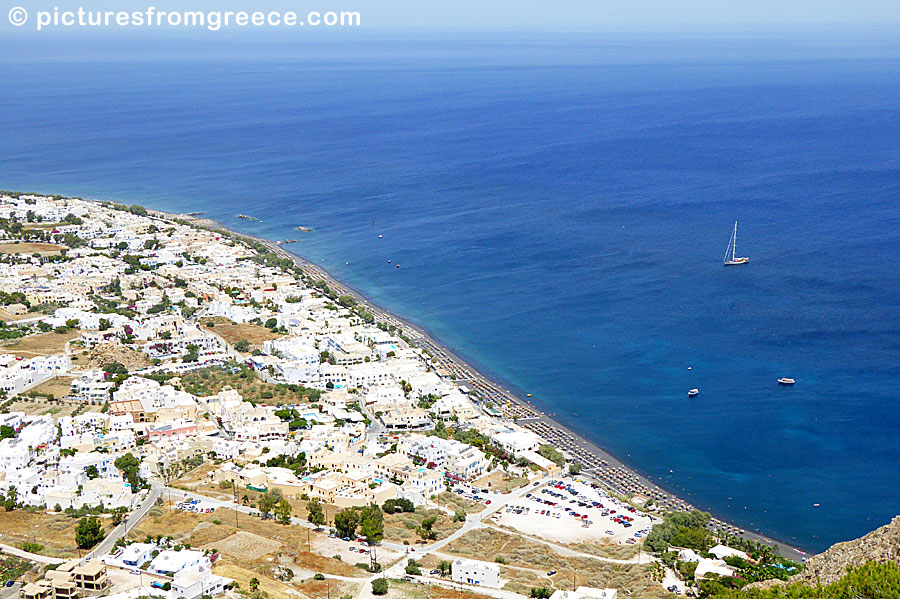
880,545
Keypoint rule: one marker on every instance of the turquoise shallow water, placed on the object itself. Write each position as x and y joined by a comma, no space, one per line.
560,209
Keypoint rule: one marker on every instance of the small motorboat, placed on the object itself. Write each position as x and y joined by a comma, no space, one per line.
785,381
693,392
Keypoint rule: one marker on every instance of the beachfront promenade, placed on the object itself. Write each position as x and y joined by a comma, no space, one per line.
596,462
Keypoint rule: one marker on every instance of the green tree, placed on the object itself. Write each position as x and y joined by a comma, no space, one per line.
552,454
444,567
11,500
371,525
192,354
346,521
242,345
392,506
254,584
426,529
89,532
283,510
683,529
268,502
314,512
130,467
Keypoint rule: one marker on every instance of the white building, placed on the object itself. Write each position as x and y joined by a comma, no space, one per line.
137,554
586,593
170,562
467,571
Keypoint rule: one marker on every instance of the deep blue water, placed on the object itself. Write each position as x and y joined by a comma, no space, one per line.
560,209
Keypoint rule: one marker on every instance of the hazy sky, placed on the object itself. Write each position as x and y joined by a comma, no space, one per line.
531,14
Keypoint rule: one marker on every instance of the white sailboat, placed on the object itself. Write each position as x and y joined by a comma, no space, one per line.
731,258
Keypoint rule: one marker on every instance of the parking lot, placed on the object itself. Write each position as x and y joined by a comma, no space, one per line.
196,505
569,511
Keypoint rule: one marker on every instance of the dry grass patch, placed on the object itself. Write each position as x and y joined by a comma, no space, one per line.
39,406
326,565
613,550
28,247
56,532
403,526
498,479
406,590
325,588
514,550
454,502
233,332
209,381
58,386
165,521
521,581
105,354
7,316
44,344
242,575
247,545
196,477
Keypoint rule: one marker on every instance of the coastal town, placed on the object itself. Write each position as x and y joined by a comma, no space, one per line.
188,412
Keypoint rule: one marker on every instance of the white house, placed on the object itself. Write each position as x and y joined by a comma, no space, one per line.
170,562
137,554
467,571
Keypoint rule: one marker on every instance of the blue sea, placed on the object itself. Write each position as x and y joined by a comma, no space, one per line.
559,206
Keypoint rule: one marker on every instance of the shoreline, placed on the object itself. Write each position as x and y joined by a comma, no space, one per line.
597,463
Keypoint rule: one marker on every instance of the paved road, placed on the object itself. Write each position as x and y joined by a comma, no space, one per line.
108,544
11,591
42,559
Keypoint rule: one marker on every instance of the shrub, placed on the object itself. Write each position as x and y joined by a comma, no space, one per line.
32,547
380,586
412,568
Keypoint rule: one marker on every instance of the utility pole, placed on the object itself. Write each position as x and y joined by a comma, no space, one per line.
235,494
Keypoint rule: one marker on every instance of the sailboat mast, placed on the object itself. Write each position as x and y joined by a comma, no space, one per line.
734,242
